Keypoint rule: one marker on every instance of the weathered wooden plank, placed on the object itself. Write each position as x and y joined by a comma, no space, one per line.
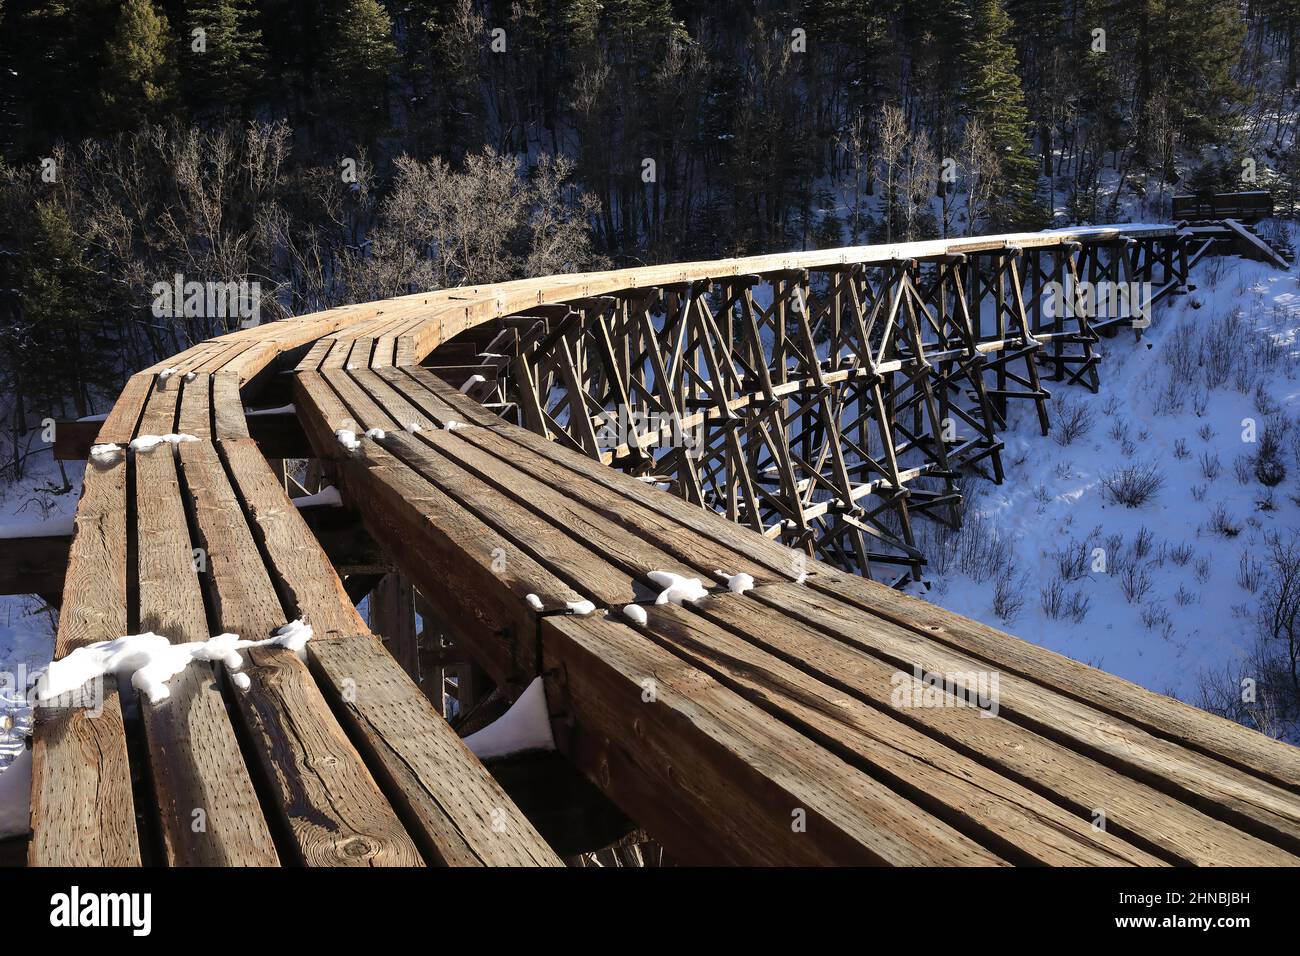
1219,790
82,812
119,427
1091,790
460,814
1161,715
302,572
195,416
160,409
392,616
208,811
227,408
995,812
311,361
470,573
337,357
597,573
744,782
321,789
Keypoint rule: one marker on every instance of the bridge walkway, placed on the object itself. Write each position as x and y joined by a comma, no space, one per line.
779,723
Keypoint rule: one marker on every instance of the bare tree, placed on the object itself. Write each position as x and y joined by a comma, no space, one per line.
442,227
893,138
1280,605
980,163
854,142
919,176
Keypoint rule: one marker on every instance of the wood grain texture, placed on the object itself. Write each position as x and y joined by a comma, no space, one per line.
1164,716
208,811
323,793
995,812
735,773
458,813
1217,789
304,574
82,810
1168,827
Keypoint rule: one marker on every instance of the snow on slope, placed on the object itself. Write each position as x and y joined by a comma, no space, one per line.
1172,594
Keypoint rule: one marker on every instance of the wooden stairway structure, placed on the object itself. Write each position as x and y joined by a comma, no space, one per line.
817,717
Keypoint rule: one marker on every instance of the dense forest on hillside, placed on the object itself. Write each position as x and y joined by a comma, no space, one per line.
349,149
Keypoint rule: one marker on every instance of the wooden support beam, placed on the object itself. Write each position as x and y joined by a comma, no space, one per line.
392,617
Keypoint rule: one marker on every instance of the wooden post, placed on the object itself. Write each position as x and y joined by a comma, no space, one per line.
392,616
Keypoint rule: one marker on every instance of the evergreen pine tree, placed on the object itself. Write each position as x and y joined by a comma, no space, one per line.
993,95
48,348
139,73
52,52
1194,46
224,62
360,57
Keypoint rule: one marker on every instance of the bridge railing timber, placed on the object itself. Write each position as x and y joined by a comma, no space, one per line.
1250,206
788,718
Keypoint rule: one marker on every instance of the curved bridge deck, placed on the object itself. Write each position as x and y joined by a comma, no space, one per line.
785,724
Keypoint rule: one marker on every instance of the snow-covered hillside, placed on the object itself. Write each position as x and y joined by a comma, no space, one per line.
1166,591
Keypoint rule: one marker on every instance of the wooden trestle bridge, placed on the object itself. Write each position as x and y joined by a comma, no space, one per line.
560,440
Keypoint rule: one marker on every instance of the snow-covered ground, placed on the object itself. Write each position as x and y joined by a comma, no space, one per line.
1161,592
39,503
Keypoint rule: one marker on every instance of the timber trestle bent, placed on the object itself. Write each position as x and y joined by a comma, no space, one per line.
830,398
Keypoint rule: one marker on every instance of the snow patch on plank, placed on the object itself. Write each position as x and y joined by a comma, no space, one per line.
737,583
105,453
678,589
150,442
635,613
151,660
534,601
525,726
348,439
581,608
